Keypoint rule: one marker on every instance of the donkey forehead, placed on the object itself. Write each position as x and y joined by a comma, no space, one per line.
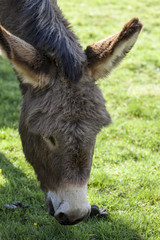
69,109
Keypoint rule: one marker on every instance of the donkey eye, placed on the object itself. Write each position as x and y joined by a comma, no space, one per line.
52,140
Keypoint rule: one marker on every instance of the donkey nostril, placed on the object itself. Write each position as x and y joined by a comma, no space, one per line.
62,218
50,208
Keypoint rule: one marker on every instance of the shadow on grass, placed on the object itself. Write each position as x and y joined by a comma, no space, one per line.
20,223
10,96
17,186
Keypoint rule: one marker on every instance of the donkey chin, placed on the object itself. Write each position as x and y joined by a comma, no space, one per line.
69,205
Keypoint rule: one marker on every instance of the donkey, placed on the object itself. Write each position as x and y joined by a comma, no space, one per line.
63,109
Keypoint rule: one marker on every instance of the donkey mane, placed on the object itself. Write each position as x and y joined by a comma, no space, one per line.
46,29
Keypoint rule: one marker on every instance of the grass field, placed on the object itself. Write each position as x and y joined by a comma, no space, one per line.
125,174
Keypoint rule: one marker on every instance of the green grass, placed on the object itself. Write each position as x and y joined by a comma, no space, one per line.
125,174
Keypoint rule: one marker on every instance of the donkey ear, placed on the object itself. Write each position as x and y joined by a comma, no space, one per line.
104,55
26,60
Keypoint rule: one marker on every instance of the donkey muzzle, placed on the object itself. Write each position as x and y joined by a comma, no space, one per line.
69,206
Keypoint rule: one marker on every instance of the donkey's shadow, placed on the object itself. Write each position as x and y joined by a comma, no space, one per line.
18,185
10,96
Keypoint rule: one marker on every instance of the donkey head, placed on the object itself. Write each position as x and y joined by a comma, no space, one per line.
60,119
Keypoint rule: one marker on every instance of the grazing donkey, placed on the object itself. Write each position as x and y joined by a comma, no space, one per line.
63,108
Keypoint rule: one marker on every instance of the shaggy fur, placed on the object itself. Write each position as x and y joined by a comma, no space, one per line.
59,131
45,28
106,54
59,120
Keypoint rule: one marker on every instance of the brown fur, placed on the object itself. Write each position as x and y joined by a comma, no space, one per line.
41,24
73,116
99,53
29,64
54,108
60,120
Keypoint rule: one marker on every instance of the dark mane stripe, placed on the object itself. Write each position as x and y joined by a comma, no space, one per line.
44,29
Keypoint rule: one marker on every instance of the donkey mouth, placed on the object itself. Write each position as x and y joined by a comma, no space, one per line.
66,221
